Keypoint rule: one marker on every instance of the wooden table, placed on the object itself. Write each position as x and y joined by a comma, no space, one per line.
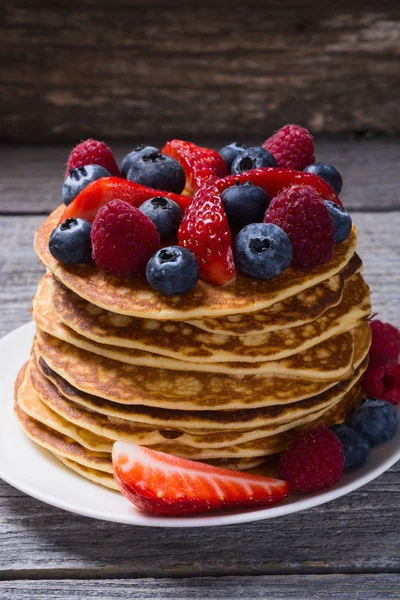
349,548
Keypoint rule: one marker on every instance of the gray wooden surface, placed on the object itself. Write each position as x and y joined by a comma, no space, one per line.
347,549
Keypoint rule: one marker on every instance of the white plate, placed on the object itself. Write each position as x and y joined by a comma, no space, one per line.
34,471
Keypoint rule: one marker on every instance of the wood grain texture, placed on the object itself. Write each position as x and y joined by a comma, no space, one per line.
69,70
356,587
31,176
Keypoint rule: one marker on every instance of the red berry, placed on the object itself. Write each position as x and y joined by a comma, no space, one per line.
103,190
385,340
205,231
123,239
200,164
382,380
292,147
315,460
92,152
301,213
167,485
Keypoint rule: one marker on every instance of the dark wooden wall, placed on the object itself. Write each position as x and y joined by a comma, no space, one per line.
122,68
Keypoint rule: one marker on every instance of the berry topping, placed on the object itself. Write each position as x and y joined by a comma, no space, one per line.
102,191
329,173
263,251
375,420
70,242
165,214
158,171
79,178
205,231
252,158
385,340
172,270
382,380
92,152
314,461
133,156
301,213
244,203
201,165
230,152
341,219
123,239
167,485
292,146
356,449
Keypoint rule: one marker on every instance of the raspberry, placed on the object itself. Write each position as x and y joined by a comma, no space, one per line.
123,239
92,152
383,380
385,340
315,460
292,146
302,214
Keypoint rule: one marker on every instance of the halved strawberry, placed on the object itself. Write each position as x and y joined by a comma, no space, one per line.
273,180
103,190
167,485
200,164
205,231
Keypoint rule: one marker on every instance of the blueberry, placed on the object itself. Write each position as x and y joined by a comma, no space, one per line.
244,203
231,151
165,214
79,178
376,420
132,157
252,158
327,172
263,250
159,172
356,449
342,222
70,242
172,270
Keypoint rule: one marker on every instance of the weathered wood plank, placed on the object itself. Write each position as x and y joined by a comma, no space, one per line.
31,176
186,69
362,587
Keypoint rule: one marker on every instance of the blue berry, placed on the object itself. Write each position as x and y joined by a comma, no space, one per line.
356,449
376,420
136,153
263,250
327,172
231,151
172,270
70,242
253,158
158,171
244,203
165,214
342,222
79,178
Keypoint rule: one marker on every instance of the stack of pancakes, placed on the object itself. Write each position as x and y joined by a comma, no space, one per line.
223,375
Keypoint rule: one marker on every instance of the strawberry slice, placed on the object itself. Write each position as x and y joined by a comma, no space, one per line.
200,164
205,231
103,190
273,180
167,485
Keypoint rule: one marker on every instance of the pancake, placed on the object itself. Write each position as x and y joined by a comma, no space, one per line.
93,475
182,341
297,310
133,296
124,430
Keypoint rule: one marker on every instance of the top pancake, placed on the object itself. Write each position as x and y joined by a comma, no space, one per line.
133,296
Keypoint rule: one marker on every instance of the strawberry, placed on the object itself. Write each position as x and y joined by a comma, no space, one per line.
205,231
200,164
101,191
167,485
92,152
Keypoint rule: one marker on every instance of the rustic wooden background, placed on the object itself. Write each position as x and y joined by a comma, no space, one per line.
123,68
